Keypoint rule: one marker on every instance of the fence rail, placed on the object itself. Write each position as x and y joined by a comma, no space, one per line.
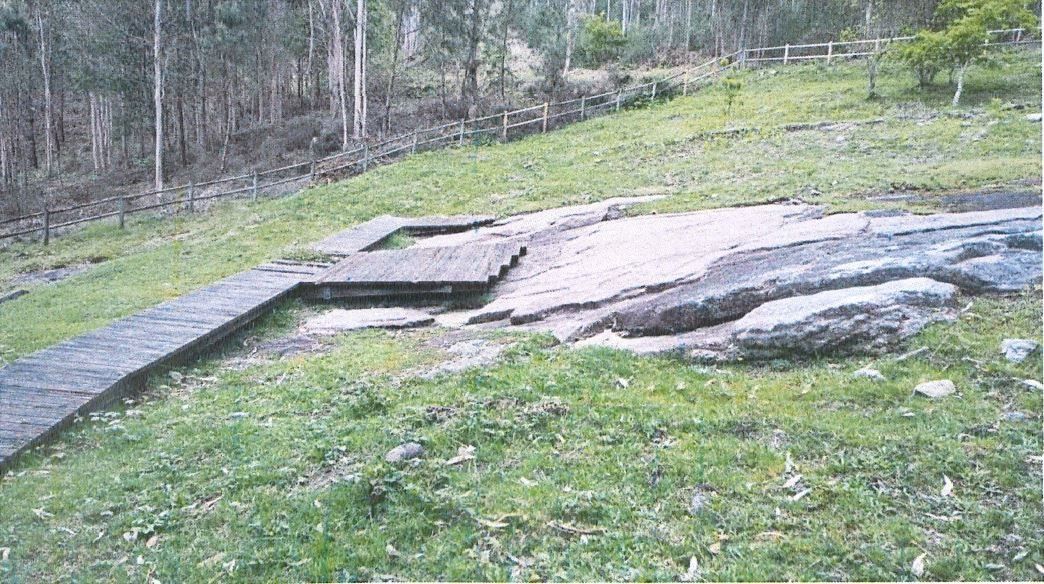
503,126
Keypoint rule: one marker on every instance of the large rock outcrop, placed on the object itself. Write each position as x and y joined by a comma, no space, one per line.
702,281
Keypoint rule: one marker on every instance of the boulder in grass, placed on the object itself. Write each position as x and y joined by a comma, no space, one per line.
404,452
868,373
936,389
1016,350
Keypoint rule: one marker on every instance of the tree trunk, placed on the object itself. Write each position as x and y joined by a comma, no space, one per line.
182,146
359,119
469,84
95,138
157,90
871,63
743,33
399,39
337,70
570,35
503,46
311,48
688,28
960,84
48,138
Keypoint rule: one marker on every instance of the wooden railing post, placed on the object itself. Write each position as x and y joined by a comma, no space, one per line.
652,95
123,211
619,94
311,170
413,148
685,83
192,193
877,45
253,187
504,134
786,53
460,141
583,107
830,51
544,126
47,226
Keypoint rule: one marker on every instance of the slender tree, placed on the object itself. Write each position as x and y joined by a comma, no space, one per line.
359,119
157,91
48,106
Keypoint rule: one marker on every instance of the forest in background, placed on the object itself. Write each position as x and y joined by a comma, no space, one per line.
99,95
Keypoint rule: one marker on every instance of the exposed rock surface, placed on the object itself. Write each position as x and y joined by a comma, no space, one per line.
1016,350
753,281
868,318
467,354
339,320
936,389
868,373
404,452
1033,384
8,296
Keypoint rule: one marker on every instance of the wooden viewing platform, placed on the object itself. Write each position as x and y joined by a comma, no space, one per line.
444,271
47,390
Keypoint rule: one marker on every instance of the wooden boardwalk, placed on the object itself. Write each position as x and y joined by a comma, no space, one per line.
44,391
466,269
369,235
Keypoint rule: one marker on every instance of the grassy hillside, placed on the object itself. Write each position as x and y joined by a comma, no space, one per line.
587,462
921,144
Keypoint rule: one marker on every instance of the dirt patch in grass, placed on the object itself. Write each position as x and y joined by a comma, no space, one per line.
1010,197
55,274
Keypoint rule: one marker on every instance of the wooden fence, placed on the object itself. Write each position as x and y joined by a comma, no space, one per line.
496,127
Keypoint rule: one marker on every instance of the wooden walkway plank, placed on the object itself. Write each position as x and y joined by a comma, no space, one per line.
42,392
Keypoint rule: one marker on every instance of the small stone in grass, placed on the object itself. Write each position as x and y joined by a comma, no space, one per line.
1016,350
868,373
1033,384
701,497
403,452
1014,416
936,389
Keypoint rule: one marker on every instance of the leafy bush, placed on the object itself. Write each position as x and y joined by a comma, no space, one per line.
600,41
926,54
963,39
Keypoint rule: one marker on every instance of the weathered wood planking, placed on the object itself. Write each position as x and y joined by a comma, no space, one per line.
367,236
44,391
424,270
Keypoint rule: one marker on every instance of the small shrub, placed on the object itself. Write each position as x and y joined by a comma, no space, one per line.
732,87
926,55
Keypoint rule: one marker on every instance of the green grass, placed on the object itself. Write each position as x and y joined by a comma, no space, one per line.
260,470
275,471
